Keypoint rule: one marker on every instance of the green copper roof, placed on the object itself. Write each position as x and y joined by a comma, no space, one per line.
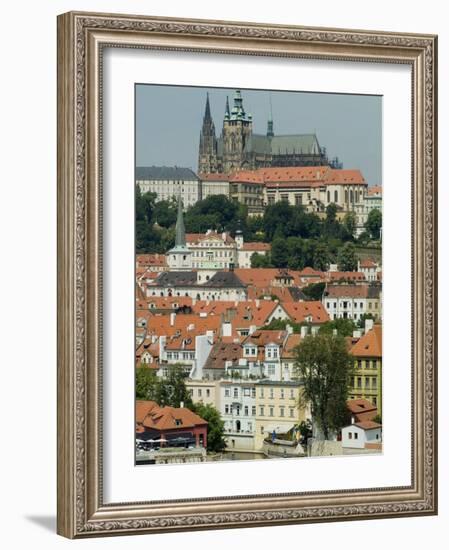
180,240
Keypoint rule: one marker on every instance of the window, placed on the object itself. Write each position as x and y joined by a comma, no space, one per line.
282,393
253,392
292,394
359,382
246,392
200,393
236,392
226,409
262,411
207,393
271,393
271,411
227,392
237,410
261,392
349,435
367,383
359,364
291,412
374,383
246,410
356,435
282,411
253,410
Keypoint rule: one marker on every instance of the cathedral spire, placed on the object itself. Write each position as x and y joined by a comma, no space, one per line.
270,126
227,112
180,239
207,115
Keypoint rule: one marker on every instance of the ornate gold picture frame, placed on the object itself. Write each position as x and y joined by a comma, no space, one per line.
82,39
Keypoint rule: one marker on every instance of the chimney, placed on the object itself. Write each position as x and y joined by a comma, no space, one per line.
226,329
252,329
172,318
257,302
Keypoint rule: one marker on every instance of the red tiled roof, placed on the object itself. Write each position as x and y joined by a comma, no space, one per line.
299,311
368,425
370,344
150,415
375,190
213,177
256,246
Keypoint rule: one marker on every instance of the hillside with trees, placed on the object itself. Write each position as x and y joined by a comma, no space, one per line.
298,238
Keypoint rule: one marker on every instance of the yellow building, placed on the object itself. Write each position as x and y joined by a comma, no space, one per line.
277,408
204,391
366,380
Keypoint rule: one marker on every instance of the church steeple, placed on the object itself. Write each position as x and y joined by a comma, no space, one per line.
207,157
207,110
180,239
270,126
179,258
227,115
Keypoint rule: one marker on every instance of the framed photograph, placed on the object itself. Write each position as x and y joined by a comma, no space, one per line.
247,274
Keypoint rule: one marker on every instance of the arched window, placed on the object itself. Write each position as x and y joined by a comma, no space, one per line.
336,196
346,195
328,196
351,193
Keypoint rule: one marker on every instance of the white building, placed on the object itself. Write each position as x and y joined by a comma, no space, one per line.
245,251
351,301
168,182
238,411
214,184
369,268
212,250
220,285
361,435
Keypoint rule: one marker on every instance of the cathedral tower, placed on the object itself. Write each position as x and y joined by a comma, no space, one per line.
237,130
207,157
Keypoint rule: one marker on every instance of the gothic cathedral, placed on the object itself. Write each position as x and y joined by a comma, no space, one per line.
238,148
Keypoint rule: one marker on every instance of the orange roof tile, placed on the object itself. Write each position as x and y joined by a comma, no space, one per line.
151,416
370,344
300,311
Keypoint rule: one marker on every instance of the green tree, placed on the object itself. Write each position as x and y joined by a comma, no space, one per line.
344,327
363,318
172,390
374,223
331,213
314,291
279,253
324,365
260,260
321,257
165,213
215,427
146,382
349,222
347,259
168,391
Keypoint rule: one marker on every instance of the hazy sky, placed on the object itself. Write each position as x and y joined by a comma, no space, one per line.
169,119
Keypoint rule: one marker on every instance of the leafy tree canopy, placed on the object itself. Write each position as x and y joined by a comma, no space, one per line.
324,365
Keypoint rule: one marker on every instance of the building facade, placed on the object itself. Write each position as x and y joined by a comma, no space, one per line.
168,182
366,379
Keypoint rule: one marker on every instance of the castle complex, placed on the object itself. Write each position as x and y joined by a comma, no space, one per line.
238,148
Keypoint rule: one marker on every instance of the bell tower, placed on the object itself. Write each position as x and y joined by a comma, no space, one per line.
237,129
207,156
